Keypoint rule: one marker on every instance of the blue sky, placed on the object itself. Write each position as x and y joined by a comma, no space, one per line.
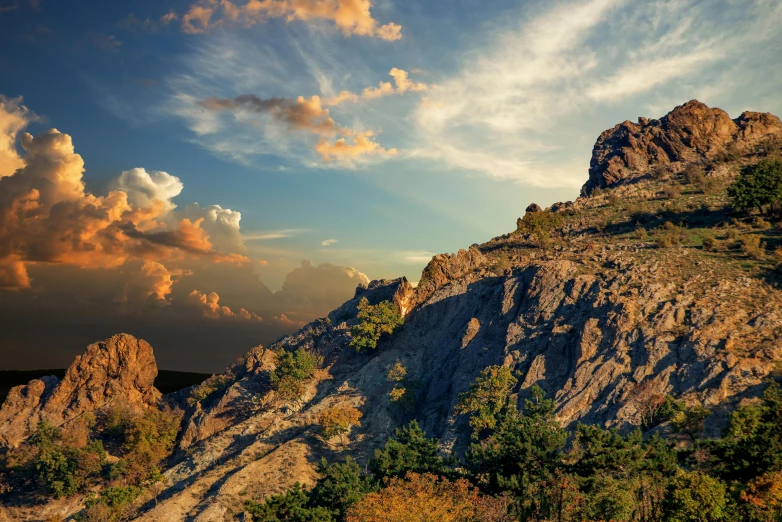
509,98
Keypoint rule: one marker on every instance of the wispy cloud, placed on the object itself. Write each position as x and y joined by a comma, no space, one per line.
273,234
523,106
327,242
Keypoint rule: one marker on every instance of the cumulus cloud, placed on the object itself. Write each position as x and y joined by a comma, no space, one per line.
402,82
222,225
151,282
14,117
210,307
46,216
145,188
351,17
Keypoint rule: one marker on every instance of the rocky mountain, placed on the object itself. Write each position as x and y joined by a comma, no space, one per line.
121,368
649,285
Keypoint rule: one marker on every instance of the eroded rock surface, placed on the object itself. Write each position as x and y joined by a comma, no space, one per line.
121,368
690,132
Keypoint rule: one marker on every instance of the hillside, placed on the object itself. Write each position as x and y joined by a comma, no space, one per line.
649,284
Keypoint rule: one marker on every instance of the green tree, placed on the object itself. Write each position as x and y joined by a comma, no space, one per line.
697,497
522,454
758,186
374,322
340,486
293,368
487,397
408,451
290,506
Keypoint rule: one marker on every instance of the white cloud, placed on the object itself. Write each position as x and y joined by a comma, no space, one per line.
273,234
327,242
416,258
145,187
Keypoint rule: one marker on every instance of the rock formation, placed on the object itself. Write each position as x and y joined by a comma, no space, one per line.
690,132
121,368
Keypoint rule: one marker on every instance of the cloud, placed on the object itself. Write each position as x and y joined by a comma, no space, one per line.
275,234
528,104
46,215
145,188
351,17
221,224
362,144
106,42
299,114
148,25
151,282
209,304
14,117
328,242
416,258
402,81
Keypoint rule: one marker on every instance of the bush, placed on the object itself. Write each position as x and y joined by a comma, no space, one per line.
695,496
340,486
669,235
374,322
541,225
209,388
672,191
293,368
694,175
290,506
758,186
751,247
113,505
408,450
338,420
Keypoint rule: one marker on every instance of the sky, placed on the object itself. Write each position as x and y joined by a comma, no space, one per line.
210,174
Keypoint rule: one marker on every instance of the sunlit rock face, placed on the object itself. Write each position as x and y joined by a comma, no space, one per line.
121,369
690,132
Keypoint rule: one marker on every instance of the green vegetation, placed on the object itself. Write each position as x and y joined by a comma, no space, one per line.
374,322
209,388
541,225
487,398
522,469
759,187
337,421
293,369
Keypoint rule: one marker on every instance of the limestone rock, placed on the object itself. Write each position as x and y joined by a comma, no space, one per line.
121,368
690,132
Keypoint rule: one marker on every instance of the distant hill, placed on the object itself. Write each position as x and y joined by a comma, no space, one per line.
167,381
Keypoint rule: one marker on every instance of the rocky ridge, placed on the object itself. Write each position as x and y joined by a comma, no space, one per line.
690,132
119,368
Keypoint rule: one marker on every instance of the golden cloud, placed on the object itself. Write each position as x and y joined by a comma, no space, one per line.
362,145
351,17
402,84
210,307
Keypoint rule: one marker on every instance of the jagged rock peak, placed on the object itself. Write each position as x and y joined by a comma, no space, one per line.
121,368
690,132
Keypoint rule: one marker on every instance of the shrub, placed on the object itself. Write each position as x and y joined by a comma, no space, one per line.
148,442
758,186
374,322
209,388
751,247
695,496
293,368
672,191
338,420
113,505
290,506
487,397
418,497
541,225
694,175
710,243
669,235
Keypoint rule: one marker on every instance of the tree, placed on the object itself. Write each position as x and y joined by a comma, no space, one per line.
290,506
697,497
374,322
762,499
114,504
758,186
293,368
647,401
408,451
487,397
340,486
338,420
419,498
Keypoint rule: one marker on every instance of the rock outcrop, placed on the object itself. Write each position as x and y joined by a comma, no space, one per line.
121,368
690,132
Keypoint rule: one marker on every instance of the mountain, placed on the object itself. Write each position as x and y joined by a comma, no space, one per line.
648,282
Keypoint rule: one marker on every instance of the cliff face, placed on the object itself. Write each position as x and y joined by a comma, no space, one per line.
121,368
690,132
